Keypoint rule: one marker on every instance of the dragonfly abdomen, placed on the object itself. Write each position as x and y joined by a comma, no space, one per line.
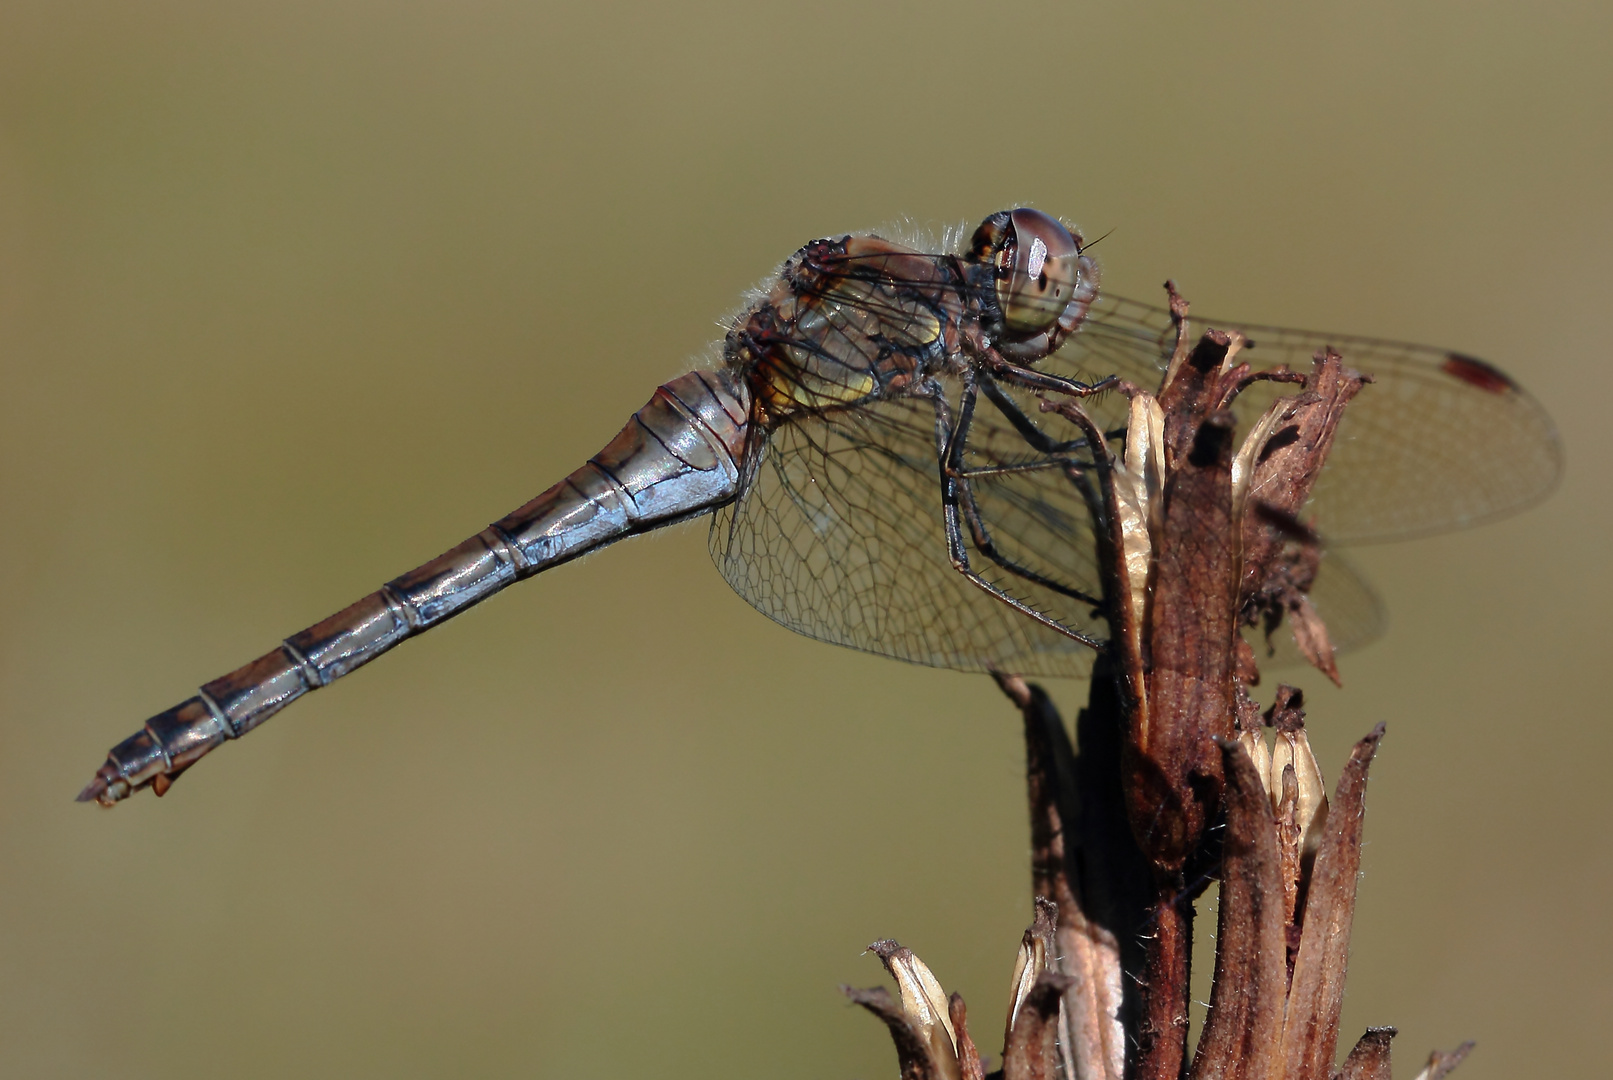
677,457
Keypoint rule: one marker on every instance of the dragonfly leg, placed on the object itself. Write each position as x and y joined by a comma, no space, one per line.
1031,379
959,476
950,439
1038,439
981,537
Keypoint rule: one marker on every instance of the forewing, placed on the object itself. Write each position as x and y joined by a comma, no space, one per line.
1134,341
1438,441
839,534
839,531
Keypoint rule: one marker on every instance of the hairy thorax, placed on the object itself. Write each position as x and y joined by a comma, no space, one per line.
850,319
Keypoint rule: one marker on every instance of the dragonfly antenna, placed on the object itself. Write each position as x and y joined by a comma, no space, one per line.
1099,240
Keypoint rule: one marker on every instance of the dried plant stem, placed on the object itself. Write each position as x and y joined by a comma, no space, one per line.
1162,1028
1169,783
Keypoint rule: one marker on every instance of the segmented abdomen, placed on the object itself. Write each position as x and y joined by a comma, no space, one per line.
678,457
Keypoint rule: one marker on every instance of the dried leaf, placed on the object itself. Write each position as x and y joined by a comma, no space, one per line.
1292,747
1138,482
1243,1032
1259,756
969,1066
1369,1060
912,1049
1251,731
1253,443
923,1000
1179,353
1034,949
1280,552
1284,470
1311,1027
1083,858
1440,1062
1289,842
1031,1053
1310,634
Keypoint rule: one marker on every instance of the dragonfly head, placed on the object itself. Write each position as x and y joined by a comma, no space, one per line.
1037,274
1035,266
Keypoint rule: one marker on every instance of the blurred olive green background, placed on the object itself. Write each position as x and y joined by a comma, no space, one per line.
295,295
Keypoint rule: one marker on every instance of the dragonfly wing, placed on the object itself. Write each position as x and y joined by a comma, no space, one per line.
1438,441
839,534
839,531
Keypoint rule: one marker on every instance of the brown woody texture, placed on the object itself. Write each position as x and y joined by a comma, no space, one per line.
1170,784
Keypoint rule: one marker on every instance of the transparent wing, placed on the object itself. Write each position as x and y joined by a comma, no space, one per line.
839,535
839,532
1438,441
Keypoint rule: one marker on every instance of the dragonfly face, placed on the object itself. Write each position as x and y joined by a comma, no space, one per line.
1037,273
881,474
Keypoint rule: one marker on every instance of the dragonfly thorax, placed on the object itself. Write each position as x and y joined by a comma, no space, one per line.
849,319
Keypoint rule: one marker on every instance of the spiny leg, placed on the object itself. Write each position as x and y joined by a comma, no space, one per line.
1031,379
983,543
950,440
1039,440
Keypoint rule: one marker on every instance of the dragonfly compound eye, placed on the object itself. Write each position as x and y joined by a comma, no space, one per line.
1037,269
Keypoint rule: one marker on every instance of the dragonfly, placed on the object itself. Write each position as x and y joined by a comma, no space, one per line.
881,475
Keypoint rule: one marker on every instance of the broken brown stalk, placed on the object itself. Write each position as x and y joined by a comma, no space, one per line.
1170,783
